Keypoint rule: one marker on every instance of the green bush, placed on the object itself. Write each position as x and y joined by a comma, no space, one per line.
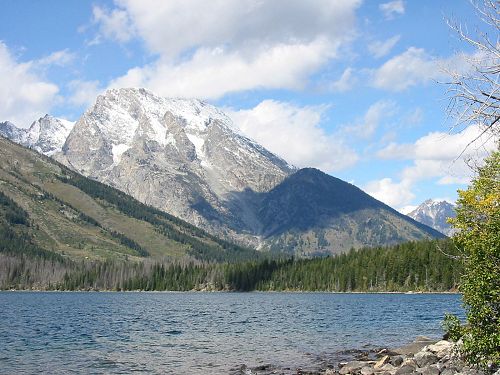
478,224
452,327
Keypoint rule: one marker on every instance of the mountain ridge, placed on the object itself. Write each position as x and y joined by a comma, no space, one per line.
187,158
435,213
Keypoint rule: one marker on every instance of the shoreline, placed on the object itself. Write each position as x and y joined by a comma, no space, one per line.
423,356
219,291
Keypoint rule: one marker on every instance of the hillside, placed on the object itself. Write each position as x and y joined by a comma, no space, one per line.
47,209
316,213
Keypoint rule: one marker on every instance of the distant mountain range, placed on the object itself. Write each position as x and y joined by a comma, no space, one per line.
435,214
187,158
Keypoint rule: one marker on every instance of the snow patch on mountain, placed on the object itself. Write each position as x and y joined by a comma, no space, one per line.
435,213
45,135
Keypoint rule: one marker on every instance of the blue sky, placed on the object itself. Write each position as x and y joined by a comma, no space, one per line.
350,87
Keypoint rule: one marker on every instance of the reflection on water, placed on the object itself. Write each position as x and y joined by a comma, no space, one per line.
202,333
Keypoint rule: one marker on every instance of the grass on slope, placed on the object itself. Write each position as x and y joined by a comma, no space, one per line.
81,218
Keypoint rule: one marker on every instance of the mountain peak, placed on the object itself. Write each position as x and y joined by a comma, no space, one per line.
45,135
435,213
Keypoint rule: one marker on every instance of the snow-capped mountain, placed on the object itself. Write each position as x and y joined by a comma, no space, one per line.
180,155
187,158
10,131
46,135
435,213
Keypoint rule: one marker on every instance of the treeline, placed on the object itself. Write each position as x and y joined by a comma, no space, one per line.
416,266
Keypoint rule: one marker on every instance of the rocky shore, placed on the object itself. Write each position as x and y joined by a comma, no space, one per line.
424,356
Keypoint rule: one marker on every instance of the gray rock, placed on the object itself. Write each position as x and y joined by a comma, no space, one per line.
352,367
449,371
388,368
409,362
405,370
381,362
429,370
416,346
441,348
397,360
367,370
425,358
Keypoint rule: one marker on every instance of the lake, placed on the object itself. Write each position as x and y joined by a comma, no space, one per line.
203,333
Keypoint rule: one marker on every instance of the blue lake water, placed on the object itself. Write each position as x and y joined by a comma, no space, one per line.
202,333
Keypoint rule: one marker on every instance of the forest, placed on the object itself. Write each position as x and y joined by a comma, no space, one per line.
415,266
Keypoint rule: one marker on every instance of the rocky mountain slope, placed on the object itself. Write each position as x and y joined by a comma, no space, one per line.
46,209
46,135
182,156
186,157
314,212
435,213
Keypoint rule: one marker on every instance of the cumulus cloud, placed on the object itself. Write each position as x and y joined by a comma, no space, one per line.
208,49
415,67
412,67
392,9
113,24
394,194
381,48
376,113
83,93
437,155
210,74
173,27
294,134
25,95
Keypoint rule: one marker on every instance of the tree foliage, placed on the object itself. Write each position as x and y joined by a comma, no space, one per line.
478,225
417,266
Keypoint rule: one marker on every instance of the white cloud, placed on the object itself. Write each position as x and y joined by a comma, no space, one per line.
210,74
405,210
376,113
208,49
415,67
412,67
345,82
25,95
392,8
113,24
394,194
294,134
379,49
83,93
437,155
58,58
173,27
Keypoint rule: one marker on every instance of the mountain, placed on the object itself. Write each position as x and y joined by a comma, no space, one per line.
187,158
435,213
46,135
47,209
313,212
10,131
